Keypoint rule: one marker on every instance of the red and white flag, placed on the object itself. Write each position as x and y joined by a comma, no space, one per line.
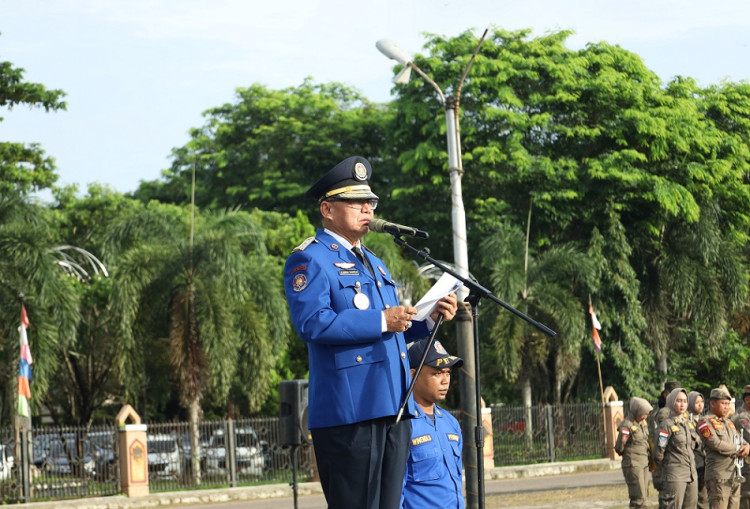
596,327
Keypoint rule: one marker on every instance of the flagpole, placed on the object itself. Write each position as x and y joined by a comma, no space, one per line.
598,363
599,369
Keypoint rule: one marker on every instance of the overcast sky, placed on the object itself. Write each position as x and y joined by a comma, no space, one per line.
140,73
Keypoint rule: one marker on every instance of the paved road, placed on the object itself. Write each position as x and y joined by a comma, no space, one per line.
492,488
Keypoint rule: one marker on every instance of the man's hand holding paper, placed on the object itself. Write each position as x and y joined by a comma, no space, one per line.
440,299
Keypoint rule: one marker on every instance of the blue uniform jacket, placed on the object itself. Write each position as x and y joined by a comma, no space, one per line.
433,471
357,372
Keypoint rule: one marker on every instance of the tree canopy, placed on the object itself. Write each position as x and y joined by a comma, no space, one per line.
24,167
638,191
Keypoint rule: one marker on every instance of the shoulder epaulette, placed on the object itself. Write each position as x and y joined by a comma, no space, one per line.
303,246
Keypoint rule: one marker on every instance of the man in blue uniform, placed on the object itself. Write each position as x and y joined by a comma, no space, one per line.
344,305
433,471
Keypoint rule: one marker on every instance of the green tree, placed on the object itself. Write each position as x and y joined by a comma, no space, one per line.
266,149
212,294
25,167
87,387
610,157
549,285
30,275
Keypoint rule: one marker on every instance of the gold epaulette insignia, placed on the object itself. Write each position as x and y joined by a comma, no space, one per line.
303,246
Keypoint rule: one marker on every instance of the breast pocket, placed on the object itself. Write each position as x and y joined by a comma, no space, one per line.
456,448
679,437
391,287
356,292
426,461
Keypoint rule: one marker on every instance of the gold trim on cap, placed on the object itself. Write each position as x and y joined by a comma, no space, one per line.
347,189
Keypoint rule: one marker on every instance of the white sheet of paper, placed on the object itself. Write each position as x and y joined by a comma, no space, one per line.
447,284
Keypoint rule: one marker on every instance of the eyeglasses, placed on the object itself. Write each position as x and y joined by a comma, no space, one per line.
358,204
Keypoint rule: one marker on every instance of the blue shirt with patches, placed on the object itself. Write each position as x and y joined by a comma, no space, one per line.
357,371
433,470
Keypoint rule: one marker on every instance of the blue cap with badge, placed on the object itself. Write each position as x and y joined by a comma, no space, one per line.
348,180
437,357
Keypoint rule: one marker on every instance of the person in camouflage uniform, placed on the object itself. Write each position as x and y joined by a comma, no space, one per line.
674,452
632,445
696,403
741,421
722,446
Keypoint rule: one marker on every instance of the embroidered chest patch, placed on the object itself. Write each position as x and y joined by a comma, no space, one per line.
421,440
452,437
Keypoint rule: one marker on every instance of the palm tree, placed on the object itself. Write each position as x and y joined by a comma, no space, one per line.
546,286
215,299
693,279
29,274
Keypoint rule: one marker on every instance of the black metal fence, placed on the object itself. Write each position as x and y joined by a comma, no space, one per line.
547,433
78,462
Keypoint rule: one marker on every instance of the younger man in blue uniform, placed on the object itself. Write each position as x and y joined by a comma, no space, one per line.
433,471
344,304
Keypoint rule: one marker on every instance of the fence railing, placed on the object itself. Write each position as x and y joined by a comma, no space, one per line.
547,433
73,462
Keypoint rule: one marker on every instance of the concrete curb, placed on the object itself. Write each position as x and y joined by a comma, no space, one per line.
285,491
556,468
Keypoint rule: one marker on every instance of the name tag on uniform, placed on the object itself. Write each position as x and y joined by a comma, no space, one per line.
452,437
421,440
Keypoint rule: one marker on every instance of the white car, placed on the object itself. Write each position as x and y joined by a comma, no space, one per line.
6,462
249,453
163,456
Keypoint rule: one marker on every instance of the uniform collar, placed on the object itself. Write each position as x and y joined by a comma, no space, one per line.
341,240
435,409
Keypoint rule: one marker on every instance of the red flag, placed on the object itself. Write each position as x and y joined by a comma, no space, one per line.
595,327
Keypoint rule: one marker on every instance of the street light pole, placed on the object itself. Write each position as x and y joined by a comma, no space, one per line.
467,344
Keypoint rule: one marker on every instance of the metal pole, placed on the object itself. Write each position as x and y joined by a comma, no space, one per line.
464,334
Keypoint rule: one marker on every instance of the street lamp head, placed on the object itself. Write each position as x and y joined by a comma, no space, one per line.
402,78
390,49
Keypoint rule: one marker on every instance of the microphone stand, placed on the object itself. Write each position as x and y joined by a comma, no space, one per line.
421,365
476,292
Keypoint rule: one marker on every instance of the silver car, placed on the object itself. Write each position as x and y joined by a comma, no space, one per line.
249,453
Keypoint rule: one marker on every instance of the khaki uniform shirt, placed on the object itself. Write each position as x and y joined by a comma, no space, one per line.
699,449
673,449
654,419
632,443
719,435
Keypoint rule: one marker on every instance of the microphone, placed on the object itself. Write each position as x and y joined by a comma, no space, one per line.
381,226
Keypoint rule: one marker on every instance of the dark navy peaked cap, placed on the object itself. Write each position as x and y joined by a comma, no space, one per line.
348,180
438,356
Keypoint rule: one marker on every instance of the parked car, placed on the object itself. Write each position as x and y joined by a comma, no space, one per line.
185,450
103,445
69,455
249,453
163,456
6,462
